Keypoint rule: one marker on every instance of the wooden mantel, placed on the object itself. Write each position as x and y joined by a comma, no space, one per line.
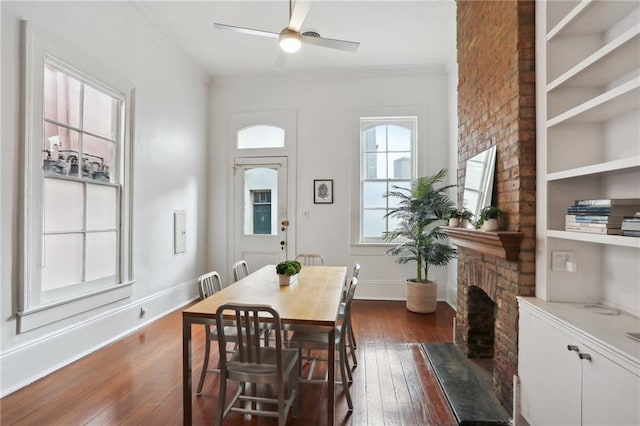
502,244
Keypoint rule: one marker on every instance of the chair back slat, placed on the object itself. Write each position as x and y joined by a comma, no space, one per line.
240,270
347,306
250,327
310,259
209,284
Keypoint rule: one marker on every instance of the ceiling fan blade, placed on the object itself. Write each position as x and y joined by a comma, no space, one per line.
350,46
244,30
299,14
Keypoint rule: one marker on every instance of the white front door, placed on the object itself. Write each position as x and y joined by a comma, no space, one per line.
260,221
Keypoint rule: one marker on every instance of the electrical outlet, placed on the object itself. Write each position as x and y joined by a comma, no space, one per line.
563,261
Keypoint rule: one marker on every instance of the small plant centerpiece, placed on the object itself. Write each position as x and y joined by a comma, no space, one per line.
421,211
489,218
287,271
460,217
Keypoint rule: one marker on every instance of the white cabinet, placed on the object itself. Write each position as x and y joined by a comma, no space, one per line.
569,376
588,131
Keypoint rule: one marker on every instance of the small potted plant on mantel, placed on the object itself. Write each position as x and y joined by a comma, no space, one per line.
287,271
421,211
489,218
460,218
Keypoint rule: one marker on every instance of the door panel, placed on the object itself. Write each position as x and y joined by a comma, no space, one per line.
259,209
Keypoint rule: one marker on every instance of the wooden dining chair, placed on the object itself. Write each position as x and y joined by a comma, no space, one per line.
257,364
209,284
310,340
240,270
310,259
351,342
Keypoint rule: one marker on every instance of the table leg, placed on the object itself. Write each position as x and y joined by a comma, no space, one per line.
331,391
186,371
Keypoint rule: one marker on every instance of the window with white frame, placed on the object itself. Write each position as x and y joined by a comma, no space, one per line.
77,229
387,159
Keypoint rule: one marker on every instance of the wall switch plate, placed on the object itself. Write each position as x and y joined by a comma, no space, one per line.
305,214
563,261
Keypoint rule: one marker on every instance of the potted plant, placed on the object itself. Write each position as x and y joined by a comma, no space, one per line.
489,218
454,218
421,210
287,271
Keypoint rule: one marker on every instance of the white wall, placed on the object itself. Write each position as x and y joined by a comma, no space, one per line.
452,71
328,105
170,173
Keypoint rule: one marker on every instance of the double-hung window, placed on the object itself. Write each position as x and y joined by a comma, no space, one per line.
77,230
387,159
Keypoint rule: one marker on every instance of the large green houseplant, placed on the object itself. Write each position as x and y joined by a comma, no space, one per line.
420,211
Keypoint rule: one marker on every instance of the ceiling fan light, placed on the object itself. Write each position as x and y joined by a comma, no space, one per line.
290,41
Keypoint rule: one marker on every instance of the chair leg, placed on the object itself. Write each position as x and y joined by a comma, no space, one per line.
343,373
345,359
221,398
352,347
293,387
352,338
205,364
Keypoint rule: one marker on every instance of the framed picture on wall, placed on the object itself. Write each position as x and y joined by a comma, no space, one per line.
323,191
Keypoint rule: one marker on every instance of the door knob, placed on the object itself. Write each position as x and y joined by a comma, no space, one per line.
585,356
285,223
282,243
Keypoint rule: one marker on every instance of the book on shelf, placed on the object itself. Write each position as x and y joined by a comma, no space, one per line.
609,202
579,218
630,233
590,230
603,210
593,225
630,224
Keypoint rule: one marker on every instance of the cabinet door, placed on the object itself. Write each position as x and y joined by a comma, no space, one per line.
549,373
611,393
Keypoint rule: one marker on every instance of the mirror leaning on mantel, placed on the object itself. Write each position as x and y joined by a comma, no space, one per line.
478,182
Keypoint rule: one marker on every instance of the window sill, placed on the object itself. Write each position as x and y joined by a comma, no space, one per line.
370,249
34,318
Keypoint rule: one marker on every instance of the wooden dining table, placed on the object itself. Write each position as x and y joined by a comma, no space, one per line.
312,300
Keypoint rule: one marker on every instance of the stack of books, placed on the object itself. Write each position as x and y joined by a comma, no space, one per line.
601,216
631,226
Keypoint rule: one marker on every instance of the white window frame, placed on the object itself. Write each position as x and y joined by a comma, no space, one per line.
33,312
367,123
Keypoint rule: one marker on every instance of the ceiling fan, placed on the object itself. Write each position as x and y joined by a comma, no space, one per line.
291,39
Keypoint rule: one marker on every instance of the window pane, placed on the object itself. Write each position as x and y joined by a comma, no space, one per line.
373,194
98,157
374,139
63,205
260,137
61,97
260,179
100,113
373,223
102,205
395,201
400,165
62,260
59,150
399,138
375,166
101,255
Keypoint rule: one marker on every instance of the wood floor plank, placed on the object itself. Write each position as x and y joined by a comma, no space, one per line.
138,380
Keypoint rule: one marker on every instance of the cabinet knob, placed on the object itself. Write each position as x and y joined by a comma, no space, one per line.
573,348
585,356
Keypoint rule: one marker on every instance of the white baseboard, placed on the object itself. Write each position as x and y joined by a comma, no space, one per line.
25,364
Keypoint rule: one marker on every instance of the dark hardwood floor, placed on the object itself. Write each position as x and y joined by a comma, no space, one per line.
138,380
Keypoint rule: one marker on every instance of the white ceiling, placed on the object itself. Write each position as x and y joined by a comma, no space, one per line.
391,33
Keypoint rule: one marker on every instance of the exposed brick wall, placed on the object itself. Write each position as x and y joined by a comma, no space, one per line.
496,106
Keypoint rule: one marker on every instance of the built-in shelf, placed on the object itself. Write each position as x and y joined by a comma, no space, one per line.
591,17
615,102
614,240
609,167
611,62
501,244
